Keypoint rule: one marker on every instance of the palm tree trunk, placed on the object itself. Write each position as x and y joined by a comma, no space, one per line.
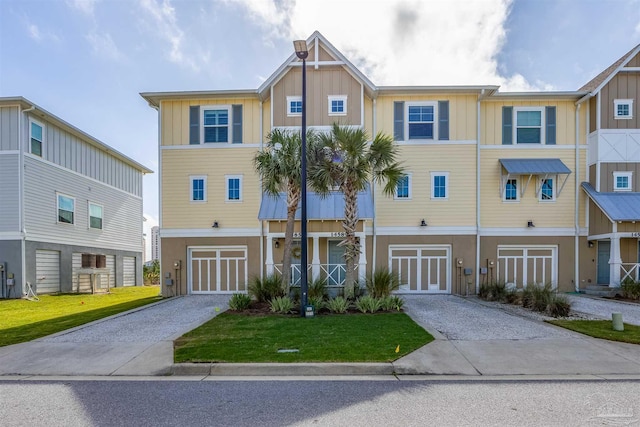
293,197
350,243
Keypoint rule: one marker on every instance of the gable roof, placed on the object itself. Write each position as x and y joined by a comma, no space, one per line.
597,83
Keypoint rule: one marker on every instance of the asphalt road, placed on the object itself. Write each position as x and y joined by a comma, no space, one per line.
173,402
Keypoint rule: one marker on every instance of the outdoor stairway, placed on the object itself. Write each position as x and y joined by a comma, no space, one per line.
602,290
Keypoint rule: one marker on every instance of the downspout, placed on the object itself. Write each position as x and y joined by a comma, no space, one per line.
261,222
373,196
21,224
478,192
576,220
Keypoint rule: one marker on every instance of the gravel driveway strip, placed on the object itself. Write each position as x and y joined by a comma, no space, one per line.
460,319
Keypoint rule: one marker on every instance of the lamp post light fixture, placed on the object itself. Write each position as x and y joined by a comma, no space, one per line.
300,47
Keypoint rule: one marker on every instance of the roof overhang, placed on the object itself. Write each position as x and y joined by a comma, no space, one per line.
618,206
154,98
544,168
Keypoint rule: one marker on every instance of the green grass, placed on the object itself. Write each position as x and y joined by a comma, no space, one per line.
601,329
233,337
22,320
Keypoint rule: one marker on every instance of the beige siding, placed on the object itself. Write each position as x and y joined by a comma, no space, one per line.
368,117
321,84
420,161
593,122
622,86
215,163
598,221
607,170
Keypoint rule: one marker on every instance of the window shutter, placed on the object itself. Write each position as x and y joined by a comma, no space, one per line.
443,120
507,125
550,124
398,120
237,123
194,125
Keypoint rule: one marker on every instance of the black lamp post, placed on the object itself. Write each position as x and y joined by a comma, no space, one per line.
300,46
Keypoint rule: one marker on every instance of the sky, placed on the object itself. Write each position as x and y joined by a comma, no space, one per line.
87,61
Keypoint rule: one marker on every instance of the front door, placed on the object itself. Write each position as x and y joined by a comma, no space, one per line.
604,247
335,268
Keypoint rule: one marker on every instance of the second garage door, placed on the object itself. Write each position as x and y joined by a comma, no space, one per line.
422,268
524,265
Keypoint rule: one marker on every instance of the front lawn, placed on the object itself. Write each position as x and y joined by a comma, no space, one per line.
601,329
22,320
233,337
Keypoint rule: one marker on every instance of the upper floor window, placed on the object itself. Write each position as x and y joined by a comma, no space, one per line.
421,120
529,125
294,105
623,108
511,190
403,189
66,209
234,188
95,216
337,105
215,124
622,181
439,185
36,134
547,192
198,188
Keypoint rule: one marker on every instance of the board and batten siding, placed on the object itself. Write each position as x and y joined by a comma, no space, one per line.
214,163
9,123
69,151
459,161
622,86
122,213
9,193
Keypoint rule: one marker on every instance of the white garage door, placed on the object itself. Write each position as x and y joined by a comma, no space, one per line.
129,271
111,266
524,265
217,269
47,271
422,268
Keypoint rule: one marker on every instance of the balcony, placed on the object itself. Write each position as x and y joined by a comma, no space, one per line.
614,145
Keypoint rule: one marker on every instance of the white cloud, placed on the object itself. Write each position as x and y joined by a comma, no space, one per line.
34,32
103,46
402,42
40,36
85,6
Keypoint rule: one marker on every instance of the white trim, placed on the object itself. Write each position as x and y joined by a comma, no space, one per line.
436,142
217,281
89,203
446,185
433,104
504,189
526,278
554,181
621,174
11,235
227,178
409,192
8,152
204,188
210,232
524,231
618,102
58,195
429,230
291,99
541,110
332,98
210,145
227,107
532,147
71,241
42,143
419,257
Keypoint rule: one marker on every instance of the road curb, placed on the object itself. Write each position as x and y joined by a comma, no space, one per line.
282,369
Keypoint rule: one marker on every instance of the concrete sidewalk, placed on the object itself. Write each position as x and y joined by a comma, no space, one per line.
139,343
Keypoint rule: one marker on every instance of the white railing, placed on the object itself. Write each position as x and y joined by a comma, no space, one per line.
614,145
630,270
332,274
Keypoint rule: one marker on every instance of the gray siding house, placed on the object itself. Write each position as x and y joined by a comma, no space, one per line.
63,194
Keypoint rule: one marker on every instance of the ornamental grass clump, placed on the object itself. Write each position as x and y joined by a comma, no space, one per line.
368,304
338,305
281,305
541,297
239,302
381,283
391,303
559,306
267,288
317,302
631,290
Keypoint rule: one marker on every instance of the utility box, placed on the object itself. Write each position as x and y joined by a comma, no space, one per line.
468,271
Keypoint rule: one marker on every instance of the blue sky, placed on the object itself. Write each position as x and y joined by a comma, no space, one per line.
86,61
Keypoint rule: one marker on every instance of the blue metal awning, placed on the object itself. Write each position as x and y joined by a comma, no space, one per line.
330,207
542,167
618,206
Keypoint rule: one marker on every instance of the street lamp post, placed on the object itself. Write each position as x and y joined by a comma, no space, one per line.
300,46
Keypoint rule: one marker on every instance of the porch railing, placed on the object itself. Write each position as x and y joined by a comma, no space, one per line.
629,271
331,274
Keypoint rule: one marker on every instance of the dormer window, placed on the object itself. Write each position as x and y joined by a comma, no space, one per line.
623,108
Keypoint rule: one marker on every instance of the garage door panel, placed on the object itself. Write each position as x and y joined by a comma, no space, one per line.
528,265
47,271
128,271
218,269
423,269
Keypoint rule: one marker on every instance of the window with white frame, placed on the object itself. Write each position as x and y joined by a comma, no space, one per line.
198,188
337,105
95,216
622,181
439,185
233,188
294,105
66,209
623,108
36,135
511,190
216,124
547,190
421,120
529,125
403,189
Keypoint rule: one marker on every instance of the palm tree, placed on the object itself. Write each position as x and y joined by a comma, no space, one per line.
279,167
345,159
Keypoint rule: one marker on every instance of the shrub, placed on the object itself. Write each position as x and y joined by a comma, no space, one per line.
368,304
316,302
493,292
338,305
317,289
631,290
281,305
559,306
381,283
541,297
392,302
239,302
266,289
527,297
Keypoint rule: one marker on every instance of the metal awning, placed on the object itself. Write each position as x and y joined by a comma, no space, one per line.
540,167
618,206
330,207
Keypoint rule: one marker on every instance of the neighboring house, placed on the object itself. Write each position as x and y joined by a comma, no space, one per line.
492,191
64,194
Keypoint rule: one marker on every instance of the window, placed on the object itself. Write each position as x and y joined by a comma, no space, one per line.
198,188
294,105
622,181
439,185
547,192
66,209
623,108
37,137
529,126
337,105
215,124
511,190
403,190
421,120
234,188
95,216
